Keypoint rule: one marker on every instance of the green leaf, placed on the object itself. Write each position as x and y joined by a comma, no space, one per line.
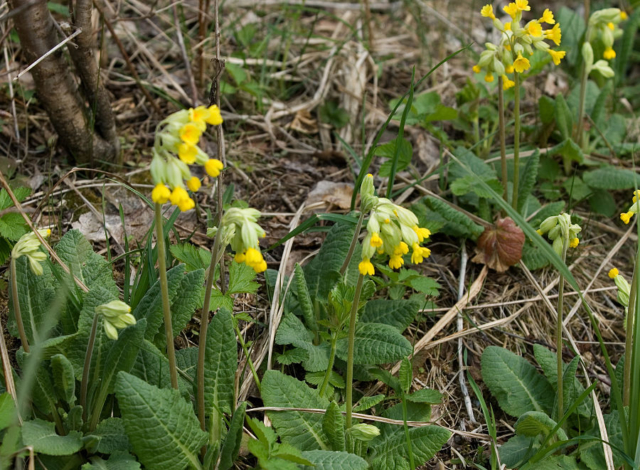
304,299
333,427
161,425
477,165
112,436
456,223
405,375
241,279
535,423
564,118
576,188
118,461
41,435
467,184
299,429
332,113
376,343
397,313
516,449
573,27
221,363
21,193
388,150
514,382
323,271
193,258
292,356
547,109
231,444
426,441
326,460
569,150
591,453
366,403
7,411
13,226
533,257
426,285
425,395
611,178
528,179
187,300
63,378
187,361
548,210
152,366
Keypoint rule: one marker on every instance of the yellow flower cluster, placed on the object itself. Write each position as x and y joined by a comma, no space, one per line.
560,229
176,147
241,227
624,289
633,210
391,231
604,24
517,40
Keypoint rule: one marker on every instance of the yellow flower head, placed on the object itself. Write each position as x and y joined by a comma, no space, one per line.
547,17
523,5
574,243
488,78
422,233
240,258
511,10
178,196
477,69
396,262
609,53
186,204
190,134
376,241
534,29
214,118
626,217
507,26
611,26
401,249
557,56
636,194
194,184
187,153
540,232
366,267
521,64
487,12
419,253
213,167
623,16
199,116
555,34
160,194
507,83
509,69
614,273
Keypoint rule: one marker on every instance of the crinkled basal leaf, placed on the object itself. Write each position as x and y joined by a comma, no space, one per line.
366,403
304,299
292,356
41,435
112,435
536,423
454,222
292,331
376,343
118,461
415,412
187,361
388,151
36,296
515,383
326,460
468,184
611,178
333,427
187,299
7,411
221,362
152,366
161,425
591,452
477,165
397,313
323,271
122,354
516,449
150,307
425,395
64,380
301,430
425,442
528,179
231,444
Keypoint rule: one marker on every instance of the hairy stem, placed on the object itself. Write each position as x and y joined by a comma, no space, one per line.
628,346
516,143
16,306
560,362
332,358
352,247
503,145
352,340
164,288
84,386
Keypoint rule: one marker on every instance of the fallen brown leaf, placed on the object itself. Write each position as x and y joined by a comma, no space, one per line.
500,247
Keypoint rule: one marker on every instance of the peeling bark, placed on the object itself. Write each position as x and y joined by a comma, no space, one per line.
57,91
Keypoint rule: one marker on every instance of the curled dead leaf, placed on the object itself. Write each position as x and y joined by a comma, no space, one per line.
500,246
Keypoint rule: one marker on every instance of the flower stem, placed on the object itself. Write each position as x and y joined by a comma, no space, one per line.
516,142
164,287
503,149
204,326
332,358
248,356
628,347
352,340
583,94
84,386
352,247
16,306
560,362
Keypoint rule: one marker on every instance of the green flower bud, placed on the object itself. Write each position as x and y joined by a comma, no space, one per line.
368,199
548,223
607,15
624,290
29,246
602,66
364,432
498,67
557,246
498,25
116,316
607,37
587,55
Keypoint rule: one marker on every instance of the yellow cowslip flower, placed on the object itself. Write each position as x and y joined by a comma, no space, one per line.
534,29
636,194
240,258
554,34
521,64
199,116
178,195
190,134
419,253
396,262
507,83
574,243
160,194
613,273
366,267
402,249
213,167
540,232
187,153
626,217
423,233
557,56
611,26
376,241
194,184
254,259
511,10
186,205
242,232
488,78
623,16
487,12
507,26
215,118
609,53
477,69
509,69
547,17
523,5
